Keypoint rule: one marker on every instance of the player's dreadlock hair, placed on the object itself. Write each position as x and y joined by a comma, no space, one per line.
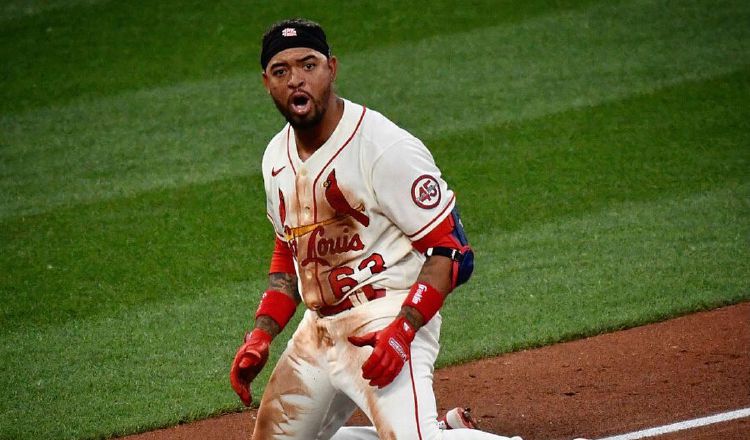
294,32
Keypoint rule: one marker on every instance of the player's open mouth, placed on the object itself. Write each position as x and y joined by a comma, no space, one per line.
301,103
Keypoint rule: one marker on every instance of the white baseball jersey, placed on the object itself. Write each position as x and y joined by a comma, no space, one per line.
350,213
351,210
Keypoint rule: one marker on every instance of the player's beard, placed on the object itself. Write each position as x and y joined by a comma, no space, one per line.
313,117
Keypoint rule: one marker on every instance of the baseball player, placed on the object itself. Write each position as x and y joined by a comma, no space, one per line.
369,239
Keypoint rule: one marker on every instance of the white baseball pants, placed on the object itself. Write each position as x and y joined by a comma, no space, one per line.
317,383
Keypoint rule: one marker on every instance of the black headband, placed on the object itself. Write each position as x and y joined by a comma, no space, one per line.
289,37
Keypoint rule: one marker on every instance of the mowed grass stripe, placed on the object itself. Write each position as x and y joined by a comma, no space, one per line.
166,361
631,264
71,48
552,63
98,258
138,368
199,132
683,139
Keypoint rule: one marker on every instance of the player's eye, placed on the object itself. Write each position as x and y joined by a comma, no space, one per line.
278,72
309,66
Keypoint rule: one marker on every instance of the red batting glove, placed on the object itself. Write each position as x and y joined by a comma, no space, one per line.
391,350
249,360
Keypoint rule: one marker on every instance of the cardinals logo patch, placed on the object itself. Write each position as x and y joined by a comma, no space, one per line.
425,191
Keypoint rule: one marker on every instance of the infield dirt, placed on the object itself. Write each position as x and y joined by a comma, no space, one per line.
681,369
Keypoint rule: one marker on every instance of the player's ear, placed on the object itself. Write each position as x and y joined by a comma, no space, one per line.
333,66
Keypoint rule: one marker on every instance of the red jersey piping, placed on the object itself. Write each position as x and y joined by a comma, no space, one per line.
315,182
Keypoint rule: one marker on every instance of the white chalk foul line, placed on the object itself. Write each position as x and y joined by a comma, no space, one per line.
679,426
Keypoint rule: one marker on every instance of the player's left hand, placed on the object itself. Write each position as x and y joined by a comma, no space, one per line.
391,351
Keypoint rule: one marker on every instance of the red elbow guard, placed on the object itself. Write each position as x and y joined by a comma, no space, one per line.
426,299
276,305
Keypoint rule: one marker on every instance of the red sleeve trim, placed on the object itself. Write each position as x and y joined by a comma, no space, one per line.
282,260
288,153
449,205
441,235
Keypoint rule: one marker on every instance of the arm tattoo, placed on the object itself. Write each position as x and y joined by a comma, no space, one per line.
284,282
413,316
280,282
436,272
268,324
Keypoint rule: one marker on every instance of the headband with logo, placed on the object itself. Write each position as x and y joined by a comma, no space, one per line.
289,37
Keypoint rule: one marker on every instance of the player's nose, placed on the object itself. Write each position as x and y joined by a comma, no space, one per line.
296,78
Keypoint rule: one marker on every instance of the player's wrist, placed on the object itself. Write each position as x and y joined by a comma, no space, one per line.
412,316
278,306
406,328
425,300
259,336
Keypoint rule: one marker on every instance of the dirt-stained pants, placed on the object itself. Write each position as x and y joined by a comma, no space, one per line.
317,383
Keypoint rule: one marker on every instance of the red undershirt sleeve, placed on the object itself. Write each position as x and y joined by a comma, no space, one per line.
281,259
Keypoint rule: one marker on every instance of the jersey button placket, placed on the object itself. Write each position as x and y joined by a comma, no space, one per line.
305,199
303,192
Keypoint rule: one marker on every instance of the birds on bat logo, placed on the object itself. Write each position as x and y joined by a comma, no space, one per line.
321,243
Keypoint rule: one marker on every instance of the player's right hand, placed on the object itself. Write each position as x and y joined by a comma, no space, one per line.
391,350
249,360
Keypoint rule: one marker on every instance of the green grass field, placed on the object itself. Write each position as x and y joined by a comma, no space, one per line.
600,152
